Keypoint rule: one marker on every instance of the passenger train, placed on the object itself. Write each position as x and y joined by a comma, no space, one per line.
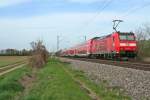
118,45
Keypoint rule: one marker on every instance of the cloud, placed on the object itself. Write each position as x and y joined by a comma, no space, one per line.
68,23
6,3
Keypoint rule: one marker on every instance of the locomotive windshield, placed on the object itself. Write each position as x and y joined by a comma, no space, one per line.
127,37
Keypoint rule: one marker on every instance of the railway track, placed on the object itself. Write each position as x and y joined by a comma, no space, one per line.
9,68
126,64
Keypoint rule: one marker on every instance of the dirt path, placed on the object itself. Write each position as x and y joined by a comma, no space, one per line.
12,69
82,85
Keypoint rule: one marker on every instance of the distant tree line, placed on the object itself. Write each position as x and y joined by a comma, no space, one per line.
15,52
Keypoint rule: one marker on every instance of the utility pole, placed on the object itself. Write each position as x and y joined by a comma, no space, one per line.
58,43
85,38
116,23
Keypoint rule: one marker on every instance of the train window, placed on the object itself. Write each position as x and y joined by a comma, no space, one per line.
123,37
127,37
130,37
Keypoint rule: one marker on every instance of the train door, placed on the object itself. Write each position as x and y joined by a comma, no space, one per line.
92,46
89,47
113,43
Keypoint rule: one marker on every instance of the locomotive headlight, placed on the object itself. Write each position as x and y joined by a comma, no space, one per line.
127,44
123,44
132,44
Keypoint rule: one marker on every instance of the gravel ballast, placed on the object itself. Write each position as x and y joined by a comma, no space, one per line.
136,83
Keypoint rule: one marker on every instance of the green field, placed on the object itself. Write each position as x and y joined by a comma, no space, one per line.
5,60
52,83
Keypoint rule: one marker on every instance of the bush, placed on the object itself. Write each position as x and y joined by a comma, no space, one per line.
39,54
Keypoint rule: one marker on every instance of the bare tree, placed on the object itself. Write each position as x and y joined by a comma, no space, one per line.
39,54
147,30
140,35
143,38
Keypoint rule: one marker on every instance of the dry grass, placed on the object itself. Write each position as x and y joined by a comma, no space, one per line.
5,60
146,59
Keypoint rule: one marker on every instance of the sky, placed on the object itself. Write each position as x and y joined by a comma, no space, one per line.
24,21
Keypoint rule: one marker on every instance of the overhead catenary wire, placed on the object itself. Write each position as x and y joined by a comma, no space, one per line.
100,10
106,4
133,10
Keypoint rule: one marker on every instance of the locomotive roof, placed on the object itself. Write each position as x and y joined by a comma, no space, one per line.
123,33
95,38
126,33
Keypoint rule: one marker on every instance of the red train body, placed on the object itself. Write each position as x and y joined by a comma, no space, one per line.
115,45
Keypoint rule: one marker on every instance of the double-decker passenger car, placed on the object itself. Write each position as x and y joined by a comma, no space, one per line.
115,45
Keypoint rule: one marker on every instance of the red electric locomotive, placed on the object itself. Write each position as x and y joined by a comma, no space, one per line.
116,45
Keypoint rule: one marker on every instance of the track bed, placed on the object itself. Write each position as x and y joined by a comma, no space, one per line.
127,64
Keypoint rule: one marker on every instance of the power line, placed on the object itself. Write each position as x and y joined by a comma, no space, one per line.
106,4
135,9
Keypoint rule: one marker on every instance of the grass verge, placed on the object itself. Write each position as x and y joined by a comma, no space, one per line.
53,83
10,85
101,89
